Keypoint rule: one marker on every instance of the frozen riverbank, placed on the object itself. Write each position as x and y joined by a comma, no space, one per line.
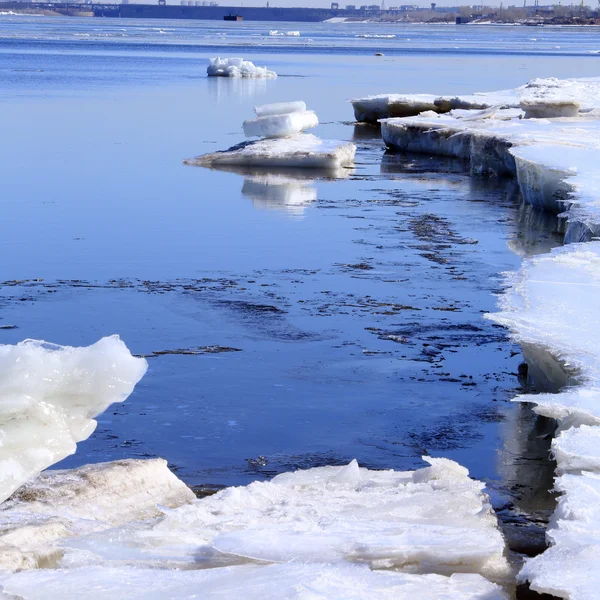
548,141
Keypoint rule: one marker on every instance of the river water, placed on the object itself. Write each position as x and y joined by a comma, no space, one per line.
288,322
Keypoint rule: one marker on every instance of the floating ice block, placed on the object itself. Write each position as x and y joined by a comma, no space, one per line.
274,126
279,108
49,396
300,151
237,67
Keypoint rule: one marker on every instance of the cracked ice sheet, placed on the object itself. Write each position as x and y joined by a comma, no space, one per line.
569,568
49,396
433,520
253,582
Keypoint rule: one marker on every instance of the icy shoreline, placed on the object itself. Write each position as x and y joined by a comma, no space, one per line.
546,135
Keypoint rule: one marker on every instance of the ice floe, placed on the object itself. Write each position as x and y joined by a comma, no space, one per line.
237,67
49,396
283,146
329,531
299,151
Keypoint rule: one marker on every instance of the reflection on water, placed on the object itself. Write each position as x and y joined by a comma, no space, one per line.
278,192
401,162
537,232
241,88
365,131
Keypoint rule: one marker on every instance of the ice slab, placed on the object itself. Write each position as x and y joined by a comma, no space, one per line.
284,125
49,396
299,151
59,504
252,582
237,67
578,449
433,520
569,568
279,108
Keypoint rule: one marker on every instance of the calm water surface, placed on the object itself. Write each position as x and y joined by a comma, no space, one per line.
351,307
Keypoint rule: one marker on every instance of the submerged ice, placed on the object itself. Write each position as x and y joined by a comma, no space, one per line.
49,396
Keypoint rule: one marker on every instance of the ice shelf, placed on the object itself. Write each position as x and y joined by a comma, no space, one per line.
299,151
237,67
49,396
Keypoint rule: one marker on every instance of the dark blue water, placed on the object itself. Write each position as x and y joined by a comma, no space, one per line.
353,306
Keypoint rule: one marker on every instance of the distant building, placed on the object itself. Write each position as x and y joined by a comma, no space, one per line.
350,7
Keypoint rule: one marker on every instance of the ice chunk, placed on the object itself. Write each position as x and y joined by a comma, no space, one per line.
548,109
436,521
251,582
49,397
60,504
578,449
301,151
285,125
237,67
279,108
568,569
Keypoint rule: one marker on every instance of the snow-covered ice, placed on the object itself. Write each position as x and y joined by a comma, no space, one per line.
237,67
49,396
578,449
280,125
299,151
251,582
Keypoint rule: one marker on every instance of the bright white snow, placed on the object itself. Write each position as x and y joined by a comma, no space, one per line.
237,67
279,108
49,396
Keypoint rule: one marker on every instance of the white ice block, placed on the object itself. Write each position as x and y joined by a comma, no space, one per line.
275,126
279,108
300,151
577,449
49,396
237,67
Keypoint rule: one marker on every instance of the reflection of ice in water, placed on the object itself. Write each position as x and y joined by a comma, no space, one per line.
279,192
244,88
